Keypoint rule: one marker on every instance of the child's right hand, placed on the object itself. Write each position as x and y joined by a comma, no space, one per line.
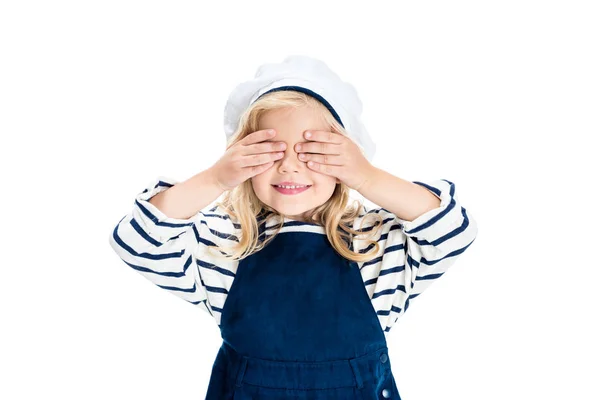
248,157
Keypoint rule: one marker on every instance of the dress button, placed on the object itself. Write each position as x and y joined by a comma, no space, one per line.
383,358
385,393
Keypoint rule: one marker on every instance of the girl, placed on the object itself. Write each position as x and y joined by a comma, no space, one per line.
303,286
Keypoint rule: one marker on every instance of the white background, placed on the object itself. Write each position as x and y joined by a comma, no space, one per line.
501,98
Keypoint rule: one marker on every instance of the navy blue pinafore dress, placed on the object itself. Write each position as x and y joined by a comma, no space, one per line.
298,324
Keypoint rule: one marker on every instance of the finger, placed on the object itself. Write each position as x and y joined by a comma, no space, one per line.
330,159
261,158
326,169
259,169
319,147
258,136
263,147
324,136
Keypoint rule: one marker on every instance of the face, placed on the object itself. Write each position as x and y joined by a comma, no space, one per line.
290,125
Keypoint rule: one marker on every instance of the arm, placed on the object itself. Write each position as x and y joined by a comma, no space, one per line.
416,252
184,200
405,199
164,248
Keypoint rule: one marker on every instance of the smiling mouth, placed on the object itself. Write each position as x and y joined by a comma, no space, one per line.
296,190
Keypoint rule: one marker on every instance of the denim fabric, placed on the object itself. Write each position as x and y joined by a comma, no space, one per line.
299,324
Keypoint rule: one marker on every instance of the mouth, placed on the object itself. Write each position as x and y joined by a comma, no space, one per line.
288,191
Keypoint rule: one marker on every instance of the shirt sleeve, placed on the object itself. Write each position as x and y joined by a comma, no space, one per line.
162,249
413,254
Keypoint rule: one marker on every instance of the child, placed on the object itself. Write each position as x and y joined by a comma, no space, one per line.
303,287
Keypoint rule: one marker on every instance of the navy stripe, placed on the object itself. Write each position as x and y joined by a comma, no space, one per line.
441,215
428,277
216,289
214,267
455,232
188,262
392,270
388,312
219,234
143,233
159,184
155,219
131,251
451,254
215,308
389,291
178,289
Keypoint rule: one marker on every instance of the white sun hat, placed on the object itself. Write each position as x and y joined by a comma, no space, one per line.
308,75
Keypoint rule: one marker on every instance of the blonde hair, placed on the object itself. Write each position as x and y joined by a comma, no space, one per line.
244,207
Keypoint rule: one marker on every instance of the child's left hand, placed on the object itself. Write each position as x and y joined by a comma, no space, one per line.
334,154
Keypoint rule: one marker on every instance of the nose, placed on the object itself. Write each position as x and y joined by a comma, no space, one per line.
290,160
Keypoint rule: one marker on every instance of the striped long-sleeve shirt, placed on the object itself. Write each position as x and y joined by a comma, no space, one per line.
173,254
